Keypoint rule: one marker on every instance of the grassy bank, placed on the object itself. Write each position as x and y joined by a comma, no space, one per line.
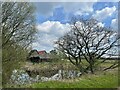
98,80
101,79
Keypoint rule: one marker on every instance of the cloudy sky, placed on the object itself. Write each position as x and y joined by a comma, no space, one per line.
52,19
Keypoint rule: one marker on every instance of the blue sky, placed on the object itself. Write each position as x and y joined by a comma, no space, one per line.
52,19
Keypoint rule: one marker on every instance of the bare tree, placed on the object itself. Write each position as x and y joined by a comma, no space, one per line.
17,23
87,40
18,31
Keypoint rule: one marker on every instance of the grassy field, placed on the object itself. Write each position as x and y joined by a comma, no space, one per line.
99,80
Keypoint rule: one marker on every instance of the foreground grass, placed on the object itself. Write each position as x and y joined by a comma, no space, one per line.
104,80
107,79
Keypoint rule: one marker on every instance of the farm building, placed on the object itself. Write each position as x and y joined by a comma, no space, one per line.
38,56
34,56
44,56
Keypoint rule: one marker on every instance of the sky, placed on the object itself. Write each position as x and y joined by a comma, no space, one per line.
53,19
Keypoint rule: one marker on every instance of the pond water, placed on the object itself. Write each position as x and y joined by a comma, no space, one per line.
22,77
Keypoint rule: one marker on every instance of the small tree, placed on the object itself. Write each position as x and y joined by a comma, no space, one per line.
88,40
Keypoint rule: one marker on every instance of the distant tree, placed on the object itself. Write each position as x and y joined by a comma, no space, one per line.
87,41
53,52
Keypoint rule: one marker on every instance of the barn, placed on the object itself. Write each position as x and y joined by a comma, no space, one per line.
34,56
38,56
44,56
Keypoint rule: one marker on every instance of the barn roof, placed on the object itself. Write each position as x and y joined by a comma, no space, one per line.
42,52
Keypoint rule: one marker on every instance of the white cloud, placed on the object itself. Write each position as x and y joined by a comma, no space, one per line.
104,13
53,27
114,24
101,24
49,32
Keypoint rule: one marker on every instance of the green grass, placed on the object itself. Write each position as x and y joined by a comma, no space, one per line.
47,65
104,80
61,64
107,79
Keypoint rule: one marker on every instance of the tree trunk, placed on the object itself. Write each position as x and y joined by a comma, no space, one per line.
91,65
91,69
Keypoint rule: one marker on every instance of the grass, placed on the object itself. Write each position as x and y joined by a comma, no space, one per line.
99,80
107,79
61,64
47,65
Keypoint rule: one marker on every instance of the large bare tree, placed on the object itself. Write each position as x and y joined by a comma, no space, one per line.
87,41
